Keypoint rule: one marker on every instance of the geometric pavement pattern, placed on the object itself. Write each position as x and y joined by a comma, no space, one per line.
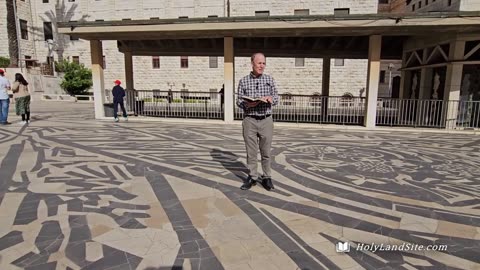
76,193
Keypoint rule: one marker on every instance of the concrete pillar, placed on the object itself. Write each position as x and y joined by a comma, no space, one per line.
424,78
326,76
373,79
325,86
423,106
129,71
453,82
229,77
96,52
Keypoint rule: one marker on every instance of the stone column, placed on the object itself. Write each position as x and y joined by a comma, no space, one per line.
129,71
229,77
373,79
325,86
96,52
453,82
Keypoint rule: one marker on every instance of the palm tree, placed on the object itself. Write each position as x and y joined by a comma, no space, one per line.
12,34
60,14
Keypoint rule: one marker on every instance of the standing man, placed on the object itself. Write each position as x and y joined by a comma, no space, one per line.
258,123
4,98
118,94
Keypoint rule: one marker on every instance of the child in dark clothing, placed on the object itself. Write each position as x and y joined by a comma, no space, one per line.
118,94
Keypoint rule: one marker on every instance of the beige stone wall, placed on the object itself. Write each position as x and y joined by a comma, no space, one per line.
198,77
3,29
24,13
287,7
469,5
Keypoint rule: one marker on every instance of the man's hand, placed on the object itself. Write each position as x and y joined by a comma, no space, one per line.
268,99
251,104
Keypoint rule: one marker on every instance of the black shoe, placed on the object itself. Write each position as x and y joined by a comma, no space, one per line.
267,183
248,183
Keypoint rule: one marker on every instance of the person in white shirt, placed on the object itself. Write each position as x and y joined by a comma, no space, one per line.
4,98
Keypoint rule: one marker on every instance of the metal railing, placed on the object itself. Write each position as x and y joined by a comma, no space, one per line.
428,113
316,109
175,104
310,109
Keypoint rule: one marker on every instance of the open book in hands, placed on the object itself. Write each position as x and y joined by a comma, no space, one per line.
252,99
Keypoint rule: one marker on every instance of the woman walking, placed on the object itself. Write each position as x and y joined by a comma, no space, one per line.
22,98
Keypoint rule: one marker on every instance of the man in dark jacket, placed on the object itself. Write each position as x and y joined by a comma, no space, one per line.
118,94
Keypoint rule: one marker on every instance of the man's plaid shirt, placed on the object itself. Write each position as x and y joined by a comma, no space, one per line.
256,87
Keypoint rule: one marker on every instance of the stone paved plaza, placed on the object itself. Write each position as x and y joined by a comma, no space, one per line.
77,193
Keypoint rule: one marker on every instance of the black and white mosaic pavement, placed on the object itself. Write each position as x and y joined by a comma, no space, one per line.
76,193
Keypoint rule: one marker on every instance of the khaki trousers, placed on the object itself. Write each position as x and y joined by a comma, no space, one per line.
258,133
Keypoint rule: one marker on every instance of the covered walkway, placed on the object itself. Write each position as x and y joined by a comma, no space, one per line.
373,37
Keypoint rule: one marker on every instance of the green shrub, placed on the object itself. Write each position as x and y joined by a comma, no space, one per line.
4,62
77,78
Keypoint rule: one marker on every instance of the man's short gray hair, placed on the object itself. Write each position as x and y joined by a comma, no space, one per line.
255,54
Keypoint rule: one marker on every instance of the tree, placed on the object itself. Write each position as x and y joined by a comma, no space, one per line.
77,78
12,34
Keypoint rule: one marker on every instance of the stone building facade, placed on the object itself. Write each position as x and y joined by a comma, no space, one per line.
295,76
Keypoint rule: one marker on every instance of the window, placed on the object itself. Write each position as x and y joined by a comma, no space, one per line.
71,0
212,16
426,2
104,62
45,1
341,11
299,62
24,29
262,13
184,61
382,76
449,2
413,7
76,59
183,17
301,12
420,4
28,64
47,30
213,62
339,62
155,62
383,1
